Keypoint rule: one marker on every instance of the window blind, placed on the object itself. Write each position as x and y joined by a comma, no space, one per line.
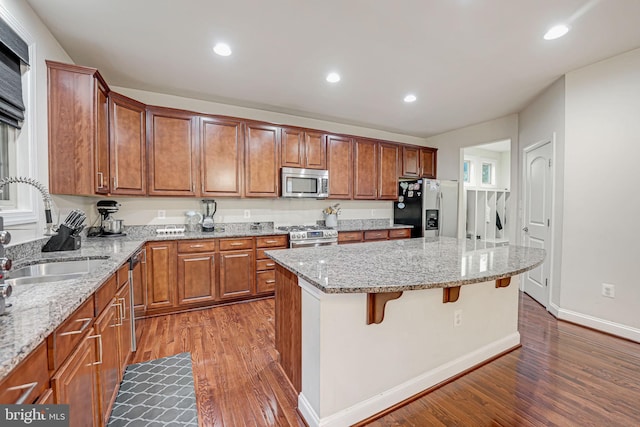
13,51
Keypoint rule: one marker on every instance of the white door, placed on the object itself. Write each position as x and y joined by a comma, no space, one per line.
538,187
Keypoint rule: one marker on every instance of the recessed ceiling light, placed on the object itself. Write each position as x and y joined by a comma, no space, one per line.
410,98
556,32
222,49
333,77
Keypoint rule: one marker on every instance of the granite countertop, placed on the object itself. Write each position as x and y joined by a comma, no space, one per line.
402,265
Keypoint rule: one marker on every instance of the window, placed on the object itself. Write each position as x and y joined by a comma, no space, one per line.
7,165
467,172
488,174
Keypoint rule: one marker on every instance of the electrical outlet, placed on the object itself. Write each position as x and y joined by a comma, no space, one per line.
608,290
247,213
162,214
457,318
373,213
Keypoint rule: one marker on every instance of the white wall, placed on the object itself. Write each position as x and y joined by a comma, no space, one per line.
601,202
450,155
543,118
44,46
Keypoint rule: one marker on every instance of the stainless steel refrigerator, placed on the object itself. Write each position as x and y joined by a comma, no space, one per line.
431,206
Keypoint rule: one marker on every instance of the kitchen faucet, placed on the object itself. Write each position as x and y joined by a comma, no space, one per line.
46,197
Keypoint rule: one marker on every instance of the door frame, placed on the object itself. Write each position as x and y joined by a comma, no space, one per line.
551,307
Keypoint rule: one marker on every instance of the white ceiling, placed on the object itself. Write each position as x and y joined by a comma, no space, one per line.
466,60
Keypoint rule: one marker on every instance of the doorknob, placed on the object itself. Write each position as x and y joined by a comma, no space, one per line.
525,229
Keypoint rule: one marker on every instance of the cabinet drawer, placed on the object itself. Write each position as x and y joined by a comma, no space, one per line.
67,336
271,241
192,246
350,236
265,264
236,244
104,295
28,380
260,252
123,275
265,281
376,235
402,233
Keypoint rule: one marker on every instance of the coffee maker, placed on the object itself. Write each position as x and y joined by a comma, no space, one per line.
209,207
109,226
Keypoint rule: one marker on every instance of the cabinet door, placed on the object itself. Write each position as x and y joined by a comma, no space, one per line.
139,274
172,152
128,146
161,275
237,272
315,147
196,278
76,384
388,172
102,138
428,162
109,370
78,142
292,148
340,165
365,169
261,161
123,298
27,381
410,162
221,145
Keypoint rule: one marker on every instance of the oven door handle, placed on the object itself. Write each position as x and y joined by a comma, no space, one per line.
316,242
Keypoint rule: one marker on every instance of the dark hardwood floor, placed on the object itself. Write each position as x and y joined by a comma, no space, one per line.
563,375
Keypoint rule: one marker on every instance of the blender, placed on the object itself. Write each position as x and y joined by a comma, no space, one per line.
209,207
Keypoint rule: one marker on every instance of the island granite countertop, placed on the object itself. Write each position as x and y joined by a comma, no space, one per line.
402,265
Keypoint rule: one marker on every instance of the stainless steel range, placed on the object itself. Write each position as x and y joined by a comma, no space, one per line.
302,236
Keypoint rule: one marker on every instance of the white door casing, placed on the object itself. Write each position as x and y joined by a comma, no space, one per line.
537,201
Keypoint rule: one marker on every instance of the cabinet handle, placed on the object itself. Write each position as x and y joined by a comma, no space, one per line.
270,281
237,244
28,388
193,188
271,241
119,314
99,362
196,246
100,180
271,264
115,182
124,308
85,324
144,258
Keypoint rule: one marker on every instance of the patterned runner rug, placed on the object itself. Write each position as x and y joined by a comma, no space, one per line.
156,393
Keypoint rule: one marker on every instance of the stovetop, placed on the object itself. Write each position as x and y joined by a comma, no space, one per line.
291,228
310,232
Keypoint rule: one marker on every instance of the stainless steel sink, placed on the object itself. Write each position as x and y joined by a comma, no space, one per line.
52,271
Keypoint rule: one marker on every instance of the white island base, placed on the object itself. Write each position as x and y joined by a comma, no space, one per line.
352,370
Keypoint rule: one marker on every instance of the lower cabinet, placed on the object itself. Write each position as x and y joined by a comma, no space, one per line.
106,326
161,275
236,273
265,266
29,381
196,278
373,235
123,300
76,384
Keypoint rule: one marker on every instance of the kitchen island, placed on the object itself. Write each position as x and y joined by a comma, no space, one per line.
363,327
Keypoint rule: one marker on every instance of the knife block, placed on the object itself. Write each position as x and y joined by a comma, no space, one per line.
66,240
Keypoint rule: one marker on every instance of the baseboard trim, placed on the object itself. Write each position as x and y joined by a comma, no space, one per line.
602,325
402,392
554,310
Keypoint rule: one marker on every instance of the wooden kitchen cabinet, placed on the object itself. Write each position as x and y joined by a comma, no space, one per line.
127,142
78,130
265,266
237,268
123,299
349,237
261,163
372,235
410,161
76,384
340,166
139,276
28,381
172,152
196,272
365,169
428,162
161,275
387,171
221,156
400,233
109,370
303,149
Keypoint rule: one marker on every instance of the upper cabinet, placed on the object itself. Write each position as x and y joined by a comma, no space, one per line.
261,163
127,142
221,156
428,162
418,162
172,147
365,169
388,171
340,165
303,149
78,130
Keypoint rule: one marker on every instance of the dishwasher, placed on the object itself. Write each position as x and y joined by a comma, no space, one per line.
137,282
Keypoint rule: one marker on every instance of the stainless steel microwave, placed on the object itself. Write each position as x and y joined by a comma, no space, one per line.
311,183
